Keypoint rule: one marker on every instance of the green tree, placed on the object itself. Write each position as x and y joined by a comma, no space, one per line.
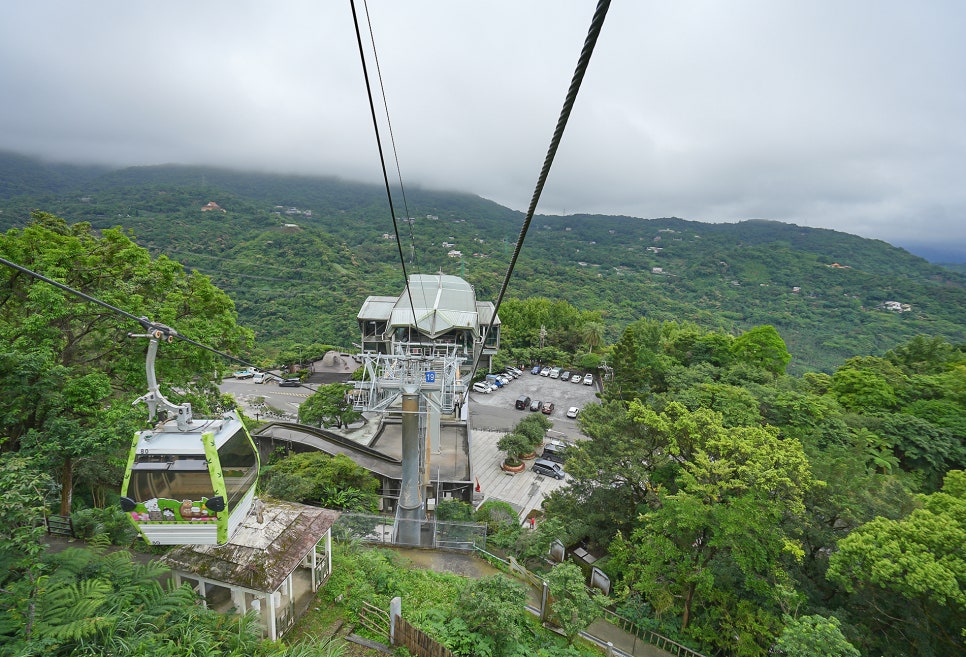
814,636
515,445
863,391
737,405
317,478
762,347
592,334
912,569
495,606
726,521
633,451
329,406
574,608
534,427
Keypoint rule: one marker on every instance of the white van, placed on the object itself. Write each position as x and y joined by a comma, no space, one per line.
260,377
482,387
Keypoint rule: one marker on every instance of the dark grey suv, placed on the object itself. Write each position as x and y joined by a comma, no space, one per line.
548,468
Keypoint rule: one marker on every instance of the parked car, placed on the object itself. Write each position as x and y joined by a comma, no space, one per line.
547,408
481,387
516,372
588,379
244,374
523,403
548,468
554,451
545,371
555,373
565,375
573,411
576,378
494,381
535,405
504,379
535,369
290,383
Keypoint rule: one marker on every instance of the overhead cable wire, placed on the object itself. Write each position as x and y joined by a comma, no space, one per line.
582,63
382,158
146,323
392,140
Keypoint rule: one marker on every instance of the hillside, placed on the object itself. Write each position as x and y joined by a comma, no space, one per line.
299,255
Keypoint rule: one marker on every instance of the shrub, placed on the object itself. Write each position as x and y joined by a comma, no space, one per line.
454,510
111,522
496,514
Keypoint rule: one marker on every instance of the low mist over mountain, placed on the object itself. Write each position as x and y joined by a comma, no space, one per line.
300,254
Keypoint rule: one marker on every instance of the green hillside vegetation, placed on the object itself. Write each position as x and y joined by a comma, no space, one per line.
733,504
299,255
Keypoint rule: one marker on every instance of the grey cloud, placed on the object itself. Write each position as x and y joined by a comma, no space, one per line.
841,115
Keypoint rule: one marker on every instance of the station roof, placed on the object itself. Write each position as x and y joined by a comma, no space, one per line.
377,308
441,303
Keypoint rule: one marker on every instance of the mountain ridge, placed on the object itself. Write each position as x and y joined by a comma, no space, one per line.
287,247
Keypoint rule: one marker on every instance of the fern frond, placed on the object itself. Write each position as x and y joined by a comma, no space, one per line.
70,612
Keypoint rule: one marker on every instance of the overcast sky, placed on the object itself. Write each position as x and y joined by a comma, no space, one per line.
846,115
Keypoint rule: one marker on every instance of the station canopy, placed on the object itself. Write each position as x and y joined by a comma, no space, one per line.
442,303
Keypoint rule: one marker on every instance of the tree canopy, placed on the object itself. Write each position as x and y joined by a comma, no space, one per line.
69,370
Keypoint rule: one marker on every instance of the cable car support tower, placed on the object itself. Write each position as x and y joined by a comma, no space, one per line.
423,381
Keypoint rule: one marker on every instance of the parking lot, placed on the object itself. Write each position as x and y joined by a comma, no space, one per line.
493,414
496,410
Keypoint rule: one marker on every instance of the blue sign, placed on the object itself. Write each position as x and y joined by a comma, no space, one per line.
430,377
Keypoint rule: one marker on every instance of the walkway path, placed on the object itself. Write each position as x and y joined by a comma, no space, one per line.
524,491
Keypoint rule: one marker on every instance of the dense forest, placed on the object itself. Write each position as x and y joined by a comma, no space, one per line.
298,256
776,461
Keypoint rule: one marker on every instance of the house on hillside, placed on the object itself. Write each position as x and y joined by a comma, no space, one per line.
273,564
211,206
895,306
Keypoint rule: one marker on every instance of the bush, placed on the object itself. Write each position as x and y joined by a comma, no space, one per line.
111,522
502,527
497,514
454,510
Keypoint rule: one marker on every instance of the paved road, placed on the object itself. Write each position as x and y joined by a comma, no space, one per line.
260,398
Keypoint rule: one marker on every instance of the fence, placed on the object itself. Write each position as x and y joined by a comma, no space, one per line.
648,636
459,536
59,525
418,642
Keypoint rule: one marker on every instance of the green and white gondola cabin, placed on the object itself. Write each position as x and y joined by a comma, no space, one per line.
190,482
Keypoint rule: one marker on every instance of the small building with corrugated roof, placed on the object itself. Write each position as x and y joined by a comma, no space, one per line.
273,564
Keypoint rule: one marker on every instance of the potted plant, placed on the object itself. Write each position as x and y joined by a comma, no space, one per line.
533,428
515,445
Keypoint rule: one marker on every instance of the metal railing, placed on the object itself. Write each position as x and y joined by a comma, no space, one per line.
380,530
650,636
